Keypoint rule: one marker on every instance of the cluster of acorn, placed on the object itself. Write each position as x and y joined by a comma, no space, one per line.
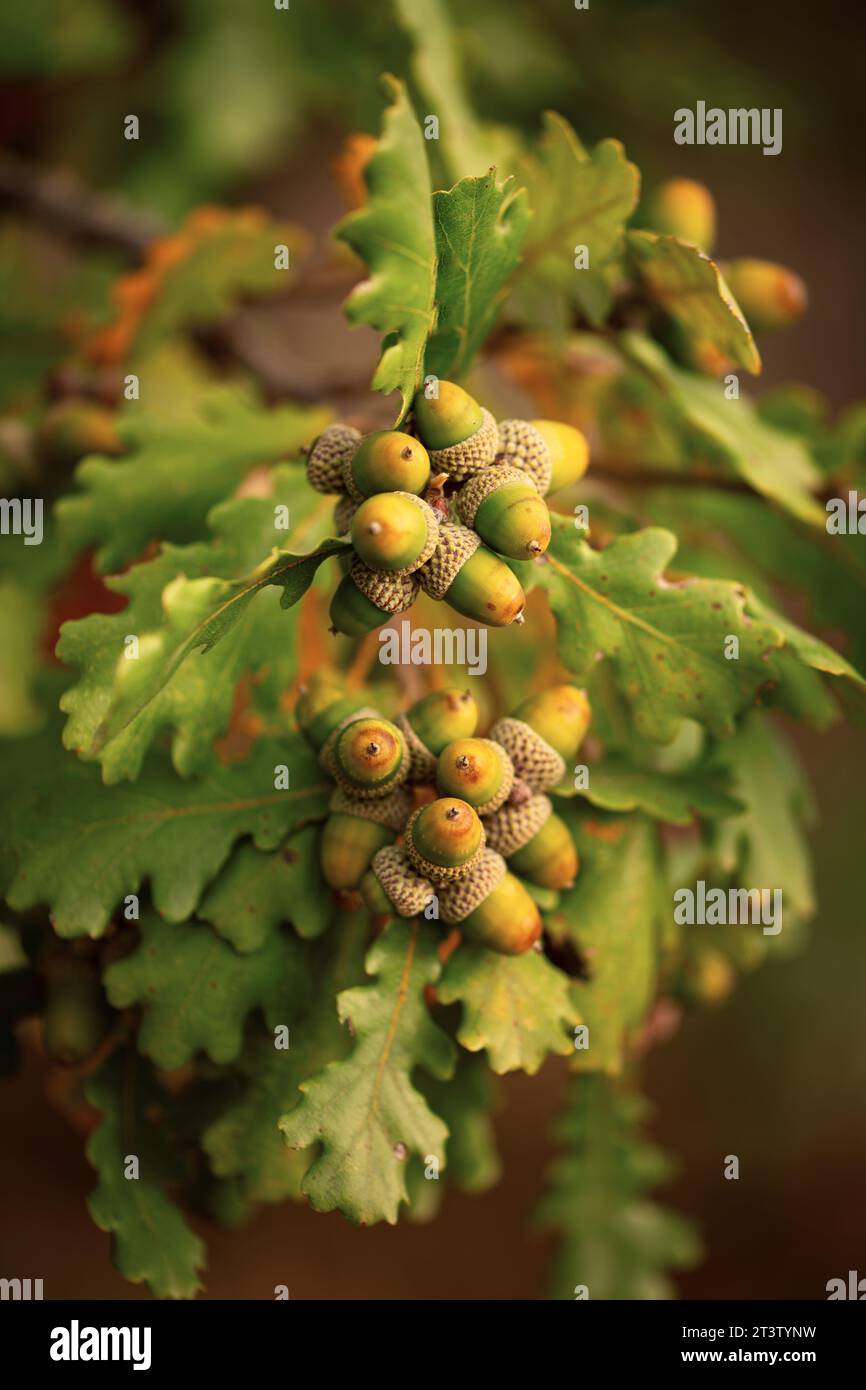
436,505
471,813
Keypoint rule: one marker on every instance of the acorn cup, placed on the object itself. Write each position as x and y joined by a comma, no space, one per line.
364,599
433,722
478,771
386,461
355,830
472,579
504,506
323,704
535,762
328,457
491,907
461,435
344,511
536,842
395,532
554,455
368,757
444,839
392,886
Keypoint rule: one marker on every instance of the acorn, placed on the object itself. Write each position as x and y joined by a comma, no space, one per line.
393,887
554,454
77,1016
328,457
491,907
770,295
472,579
503,505
368,757
324,703
536,842
560,715
431,723
477,770
355,830
462,436
395,532
444,839
364,599
686,209
386,461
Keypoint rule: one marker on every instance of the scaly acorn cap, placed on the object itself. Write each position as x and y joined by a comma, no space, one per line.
473,580
392,810
363,599
442,716
549,859
455,545
395,532
561,714
444,839
535,762
348,843
328,457
408,891
470,456
460,897
507,920
512,826
477,770
503,505
386,461
343,512
523,446
369,757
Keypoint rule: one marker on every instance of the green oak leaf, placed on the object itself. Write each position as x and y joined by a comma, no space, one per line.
174,472
183,604
613,915
259,890
393,234
480,229
517,1008
81,847
684,282
676,799
245,1140
152,1243
578,199
196,990
364,1110
664,639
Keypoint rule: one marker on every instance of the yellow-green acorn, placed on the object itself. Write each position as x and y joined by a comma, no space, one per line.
477,770
770,295
536,842
77,1016
472,579
328,457
323,704
355,830
686,209
387,461
365,598
491,907
560,715
444,839
368,757
431,723
461,435
554,454
504,506
395,532
393,886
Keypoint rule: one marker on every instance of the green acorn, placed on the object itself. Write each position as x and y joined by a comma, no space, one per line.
444,839
491,907
393,887
770,295
554,455
461,435
395,532
431,723
324,703
536,842
77,1016
328,457
472,579
503,505
364,599
368,757
684,208
355,830
386,461
560,715
477,770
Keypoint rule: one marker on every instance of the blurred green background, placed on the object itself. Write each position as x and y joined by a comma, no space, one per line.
239,103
